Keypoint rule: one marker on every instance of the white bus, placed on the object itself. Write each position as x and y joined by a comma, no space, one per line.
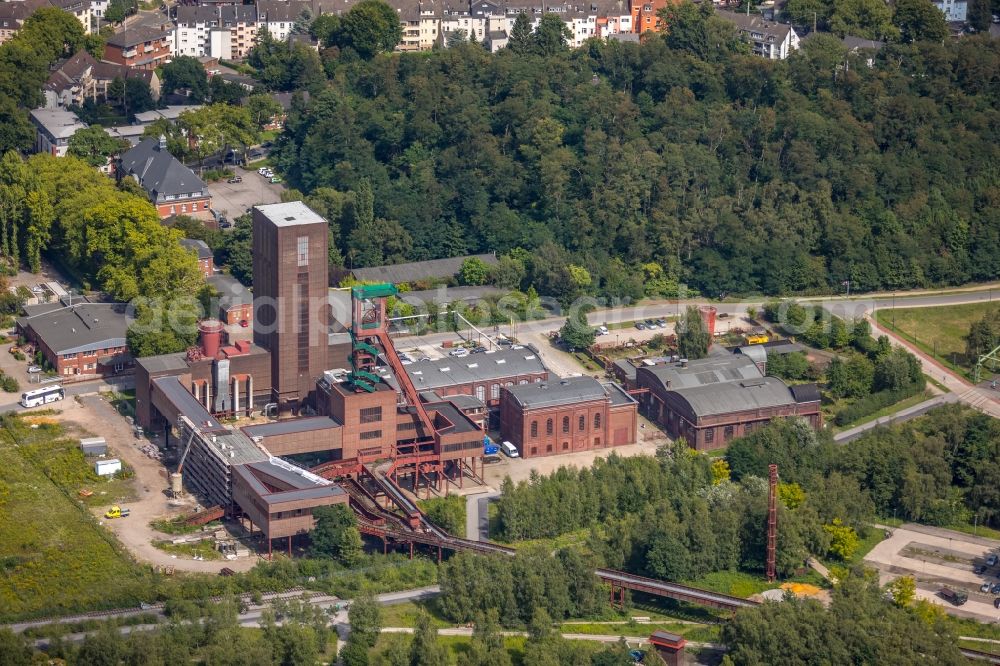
42,396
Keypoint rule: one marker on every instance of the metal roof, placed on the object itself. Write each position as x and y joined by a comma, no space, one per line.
418,270
484,367
618,395
80,328
462,400
805,392
705,371
186,404
626,367
754,352
290,214
460,422
291,426
736,396
557,392
304,485
164,362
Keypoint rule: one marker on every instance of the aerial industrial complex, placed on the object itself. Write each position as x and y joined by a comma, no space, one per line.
349,420
343,405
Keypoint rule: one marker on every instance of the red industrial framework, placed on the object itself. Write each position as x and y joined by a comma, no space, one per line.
772,523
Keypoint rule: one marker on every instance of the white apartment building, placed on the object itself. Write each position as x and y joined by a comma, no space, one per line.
225,32
279,16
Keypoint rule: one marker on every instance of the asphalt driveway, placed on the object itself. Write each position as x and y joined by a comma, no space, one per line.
233,200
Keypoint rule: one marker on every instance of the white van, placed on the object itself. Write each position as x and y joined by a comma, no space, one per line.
509,449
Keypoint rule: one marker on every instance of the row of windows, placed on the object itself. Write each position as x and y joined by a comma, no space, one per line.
581,425
371,414
565,446
462,446
109,350
371,434
727,433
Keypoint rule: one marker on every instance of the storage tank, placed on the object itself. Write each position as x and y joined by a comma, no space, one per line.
210,332
708,313
176,484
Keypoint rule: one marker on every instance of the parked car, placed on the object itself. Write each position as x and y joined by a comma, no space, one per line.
235,179
985,587
225,224
509,449
639,325
34,369
459,352
991,560
996,588
956,597
275,179
478,350
996,602
979,569
602,330
662,323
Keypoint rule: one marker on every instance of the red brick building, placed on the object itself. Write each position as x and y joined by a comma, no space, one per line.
206,262
235,300
142,47
713,400
567,415
80,340
172,187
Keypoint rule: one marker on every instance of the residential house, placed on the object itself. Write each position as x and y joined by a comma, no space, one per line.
14,14
79,8
142,47
53,129
206,260
172,187
768,39
79,338
278,17
954,10
72,82
421,23
224,32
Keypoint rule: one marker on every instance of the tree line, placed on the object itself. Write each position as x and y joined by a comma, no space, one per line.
678,517
683,157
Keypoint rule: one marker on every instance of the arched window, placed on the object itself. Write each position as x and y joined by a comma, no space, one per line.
548,427
582,425
534,429
597,421
495,392
481,392
565,424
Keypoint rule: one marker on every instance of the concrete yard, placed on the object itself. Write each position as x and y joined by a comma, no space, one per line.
232,200
936,558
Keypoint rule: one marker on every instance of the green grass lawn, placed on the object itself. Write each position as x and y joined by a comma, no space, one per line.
204,549
405,614
937,331
54,557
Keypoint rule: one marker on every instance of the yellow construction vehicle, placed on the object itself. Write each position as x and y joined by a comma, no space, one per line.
116,512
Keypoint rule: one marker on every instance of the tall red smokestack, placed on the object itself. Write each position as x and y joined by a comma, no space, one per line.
707,313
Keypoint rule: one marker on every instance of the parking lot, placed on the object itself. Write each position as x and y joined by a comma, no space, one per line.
938,558
233,199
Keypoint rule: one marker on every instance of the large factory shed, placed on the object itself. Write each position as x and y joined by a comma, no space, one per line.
713,400
279,498
292,436
567,415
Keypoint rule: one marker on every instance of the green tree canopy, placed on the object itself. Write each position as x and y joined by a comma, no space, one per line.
920,20
95,146
693,338
185,73
370,27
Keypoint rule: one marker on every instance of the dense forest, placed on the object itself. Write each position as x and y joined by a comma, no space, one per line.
682,158
680,516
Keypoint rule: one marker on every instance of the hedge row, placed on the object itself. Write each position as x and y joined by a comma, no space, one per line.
875,402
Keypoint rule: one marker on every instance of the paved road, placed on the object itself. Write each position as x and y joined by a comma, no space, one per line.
477,517
250,618
899,417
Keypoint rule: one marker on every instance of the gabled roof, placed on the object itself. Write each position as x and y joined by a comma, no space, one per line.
756,23
280,11
705,371
137,35
853,43
569,391
200,247
159,172
70,72
231,291
419,270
